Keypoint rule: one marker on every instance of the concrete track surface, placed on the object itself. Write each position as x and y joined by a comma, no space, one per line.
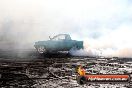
30,70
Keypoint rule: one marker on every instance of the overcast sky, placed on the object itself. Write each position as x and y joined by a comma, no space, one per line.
100,23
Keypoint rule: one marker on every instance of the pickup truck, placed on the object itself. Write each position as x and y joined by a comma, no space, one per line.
60,42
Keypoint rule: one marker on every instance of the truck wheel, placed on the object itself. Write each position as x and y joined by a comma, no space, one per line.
81,80
75,47
41,49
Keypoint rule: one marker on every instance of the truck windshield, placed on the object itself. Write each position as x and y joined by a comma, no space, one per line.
62,37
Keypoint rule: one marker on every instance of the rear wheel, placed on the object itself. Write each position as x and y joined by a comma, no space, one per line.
41,49
75,47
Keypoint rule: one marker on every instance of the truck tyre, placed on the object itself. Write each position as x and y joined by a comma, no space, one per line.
41,49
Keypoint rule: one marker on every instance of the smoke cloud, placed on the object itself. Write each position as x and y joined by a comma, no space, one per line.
105,26
117,43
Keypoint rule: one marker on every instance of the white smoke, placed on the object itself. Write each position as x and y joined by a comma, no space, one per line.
116,43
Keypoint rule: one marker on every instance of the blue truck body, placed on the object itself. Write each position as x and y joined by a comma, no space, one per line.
58,43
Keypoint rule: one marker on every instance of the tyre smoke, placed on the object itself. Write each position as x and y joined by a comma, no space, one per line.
116,44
